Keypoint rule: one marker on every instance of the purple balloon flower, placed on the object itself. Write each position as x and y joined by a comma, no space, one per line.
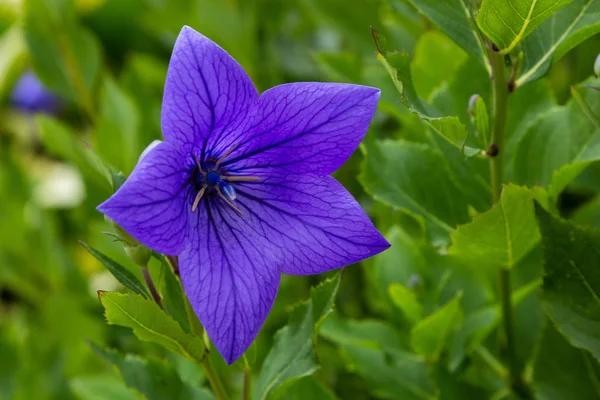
29,94
240,189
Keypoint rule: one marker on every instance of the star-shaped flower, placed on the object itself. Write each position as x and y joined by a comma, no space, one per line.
240,189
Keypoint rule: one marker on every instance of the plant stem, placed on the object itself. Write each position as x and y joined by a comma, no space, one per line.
213,378
151,286
500,117
209,370
496,153
247,376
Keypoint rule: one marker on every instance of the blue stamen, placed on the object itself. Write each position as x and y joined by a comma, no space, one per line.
213,178
228,191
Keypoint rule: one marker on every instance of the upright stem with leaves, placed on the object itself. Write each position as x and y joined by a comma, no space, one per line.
496,152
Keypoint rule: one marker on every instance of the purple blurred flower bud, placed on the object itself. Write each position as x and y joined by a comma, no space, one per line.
30,95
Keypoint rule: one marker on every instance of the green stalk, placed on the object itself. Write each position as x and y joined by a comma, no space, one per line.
213,378
196,327
496,152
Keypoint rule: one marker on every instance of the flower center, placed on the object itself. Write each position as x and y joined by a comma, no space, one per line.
208,179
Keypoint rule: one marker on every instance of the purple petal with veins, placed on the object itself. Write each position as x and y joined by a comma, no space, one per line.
240,188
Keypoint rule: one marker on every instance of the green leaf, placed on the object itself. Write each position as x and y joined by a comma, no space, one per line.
374,350
550,379
500,237
123,275
100,387
117,136
61,141
404,175
398,66
65,56
478,325
436,60
406,300
303,388
571,286
14,54
172,296
368,333
154,378
429,336
455,19
563,135
293,355
382,271
150,323
508,22
564,30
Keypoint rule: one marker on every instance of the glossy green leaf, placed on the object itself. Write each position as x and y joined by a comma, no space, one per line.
455,18
507,23
552,382
150,323
154,378
404,175
292,355
122,274
564,30
500,237
571,287
406,300
429,336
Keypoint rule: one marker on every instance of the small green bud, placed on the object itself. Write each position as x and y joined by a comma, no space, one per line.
479,116
136,252
597,66
139,254
472,104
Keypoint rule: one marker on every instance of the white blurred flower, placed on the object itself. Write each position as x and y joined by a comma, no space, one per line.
59,186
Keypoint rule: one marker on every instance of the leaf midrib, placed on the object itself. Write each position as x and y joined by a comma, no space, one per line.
521,33
552,49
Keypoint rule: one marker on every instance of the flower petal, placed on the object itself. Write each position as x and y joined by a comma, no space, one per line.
302,128
229,279
306,224
206,94
150,204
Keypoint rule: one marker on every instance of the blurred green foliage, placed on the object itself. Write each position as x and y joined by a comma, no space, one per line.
420,321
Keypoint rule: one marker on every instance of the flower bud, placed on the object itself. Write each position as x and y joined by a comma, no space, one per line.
472,104
479,117
139,254
597,66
